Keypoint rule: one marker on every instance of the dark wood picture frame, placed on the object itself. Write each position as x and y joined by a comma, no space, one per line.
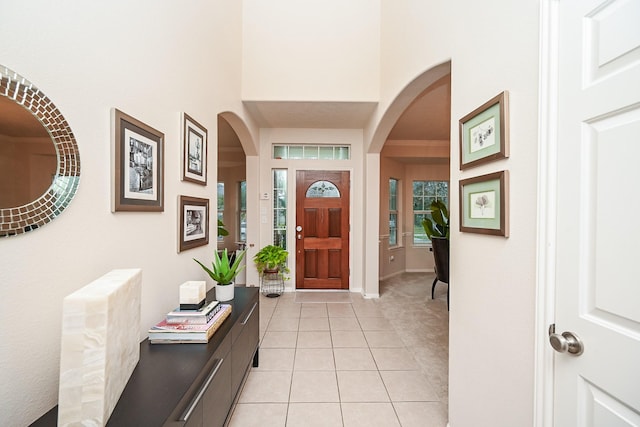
195,145
193,230
137,165
484,133
484,204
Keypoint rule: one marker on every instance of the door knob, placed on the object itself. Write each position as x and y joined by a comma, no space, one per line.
567,342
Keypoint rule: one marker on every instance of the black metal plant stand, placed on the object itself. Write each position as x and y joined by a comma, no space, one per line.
271,284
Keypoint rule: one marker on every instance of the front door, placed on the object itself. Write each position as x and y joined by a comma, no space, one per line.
598,221
322,230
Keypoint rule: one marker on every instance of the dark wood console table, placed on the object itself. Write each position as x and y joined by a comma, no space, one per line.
190,384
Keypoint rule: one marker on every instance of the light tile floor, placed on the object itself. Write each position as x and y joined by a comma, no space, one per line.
372,362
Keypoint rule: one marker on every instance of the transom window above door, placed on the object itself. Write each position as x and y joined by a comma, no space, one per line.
312,152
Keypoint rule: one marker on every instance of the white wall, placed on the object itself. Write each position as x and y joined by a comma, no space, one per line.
493,46
153,59
494,278
146,58
320,50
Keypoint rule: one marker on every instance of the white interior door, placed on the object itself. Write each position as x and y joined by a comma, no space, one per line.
598,205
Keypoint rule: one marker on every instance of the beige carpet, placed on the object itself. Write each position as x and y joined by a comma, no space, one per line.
323,296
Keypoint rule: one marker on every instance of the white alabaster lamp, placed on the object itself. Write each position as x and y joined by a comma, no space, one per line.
100,347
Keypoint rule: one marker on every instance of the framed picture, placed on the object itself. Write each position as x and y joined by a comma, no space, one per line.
194,222
137,165
194,151
484,204
484,133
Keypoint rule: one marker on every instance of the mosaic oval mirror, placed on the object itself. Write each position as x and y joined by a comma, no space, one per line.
39,159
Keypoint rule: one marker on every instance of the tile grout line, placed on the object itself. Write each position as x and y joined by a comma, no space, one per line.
367,340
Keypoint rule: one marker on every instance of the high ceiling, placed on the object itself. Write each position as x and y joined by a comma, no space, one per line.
428,117
311,115
422,133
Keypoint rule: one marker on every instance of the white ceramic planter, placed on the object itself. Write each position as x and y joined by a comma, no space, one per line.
224,293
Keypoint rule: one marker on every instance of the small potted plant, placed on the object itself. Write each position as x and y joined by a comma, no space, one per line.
438,225
224,269
437,229
222,231
271,259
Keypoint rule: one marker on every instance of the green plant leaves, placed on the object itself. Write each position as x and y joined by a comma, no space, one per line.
271,257
221,230
438,225
222,270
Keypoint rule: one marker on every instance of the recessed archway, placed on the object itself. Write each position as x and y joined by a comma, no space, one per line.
410,154
234,142
403,100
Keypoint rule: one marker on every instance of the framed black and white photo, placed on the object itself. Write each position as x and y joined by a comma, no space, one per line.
484,133
194,151
194,222
137,165
484,204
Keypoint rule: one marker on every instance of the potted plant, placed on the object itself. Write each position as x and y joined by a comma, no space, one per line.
271,259
223,270
437,229
221,230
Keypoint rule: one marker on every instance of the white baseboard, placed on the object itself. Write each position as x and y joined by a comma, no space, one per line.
388,276
420,270
416,270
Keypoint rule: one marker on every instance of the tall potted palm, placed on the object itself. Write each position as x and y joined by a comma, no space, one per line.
437,229
224,269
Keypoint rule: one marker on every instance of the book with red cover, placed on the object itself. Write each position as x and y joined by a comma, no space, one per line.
170,333
201,316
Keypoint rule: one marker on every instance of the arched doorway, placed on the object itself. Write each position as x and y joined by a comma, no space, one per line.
412,143
233,184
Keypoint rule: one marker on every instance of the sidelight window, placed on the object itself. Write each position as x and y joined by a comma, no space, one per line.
242,211
393,212
220,207
280,207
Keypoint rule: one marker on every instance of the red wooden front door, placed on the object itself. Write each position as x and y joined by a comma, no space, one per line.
322,230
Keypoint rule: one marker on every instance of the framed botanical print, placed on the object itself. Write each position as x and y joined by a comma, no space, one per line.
484,133
484,204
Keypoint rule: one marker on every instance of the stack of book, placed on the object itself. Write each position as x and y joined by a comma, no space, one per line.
190,326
